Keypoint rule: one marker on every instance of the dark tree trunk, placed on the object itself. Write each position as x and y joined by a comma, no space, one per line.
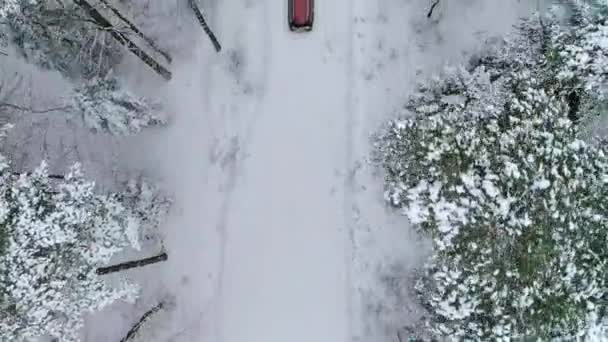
201,20
574,101
136,30
124,40
135,328
132,264
49,176
428,15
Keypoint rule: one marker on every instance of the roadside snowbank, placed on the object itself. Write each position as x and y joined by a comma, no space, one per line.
395,46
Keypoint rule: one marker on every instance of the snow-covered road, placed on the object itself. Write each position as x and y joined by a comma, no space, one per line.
279,231
284,270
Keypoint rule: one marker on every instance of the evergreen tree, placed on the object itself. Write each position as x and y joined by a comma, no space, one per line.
55,234
107,107
59,35
489,161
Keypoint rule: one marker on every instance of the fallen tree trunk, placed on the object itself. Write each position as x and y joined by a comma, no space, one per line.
136,30
135,328
32,110
52,176
201,20
432,8
123,39
132,264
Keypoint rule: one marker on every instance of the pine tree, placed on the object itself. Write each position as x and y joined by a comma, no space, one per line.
59,35
514,203
105,106
56,232
582,54
488,162
577,59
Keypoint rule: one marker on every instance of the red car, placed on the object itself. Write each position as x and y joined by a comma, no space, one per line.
301,15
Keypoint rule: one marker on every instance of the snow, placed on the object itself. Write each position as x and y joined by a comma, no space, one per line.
395,46
284,272
279,231
541,184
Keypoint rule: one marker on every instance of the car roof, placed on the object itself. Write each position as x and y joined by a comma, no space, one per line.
301,11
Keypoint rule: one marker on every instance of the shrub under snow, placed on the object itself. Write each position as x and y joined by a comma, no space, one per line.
147,203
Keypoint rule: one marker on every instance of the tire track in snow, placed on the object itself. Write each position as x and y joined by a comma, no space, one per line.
386,248
237,135
263,299
384,71
228,101
208,60
349,181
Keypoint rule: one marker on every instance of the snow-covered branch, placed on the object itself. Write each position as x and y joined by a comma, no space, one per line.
144,318
105,106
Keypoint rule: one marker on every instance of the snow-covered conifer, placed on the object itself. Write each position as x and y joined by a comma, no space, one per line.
59,35
582,55
577,59
105,106
55,234
514,201
489,162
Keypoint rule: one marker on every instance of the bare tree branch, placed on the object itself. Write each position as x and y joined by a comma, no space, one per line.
141,321
203,22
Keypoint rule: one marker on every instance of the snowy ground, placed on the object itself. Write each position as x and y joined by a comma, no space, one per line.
395,46
280,232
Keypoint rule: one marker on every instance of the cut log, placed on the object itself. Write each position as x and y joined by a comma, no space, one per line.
123,39
132,264
203,22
